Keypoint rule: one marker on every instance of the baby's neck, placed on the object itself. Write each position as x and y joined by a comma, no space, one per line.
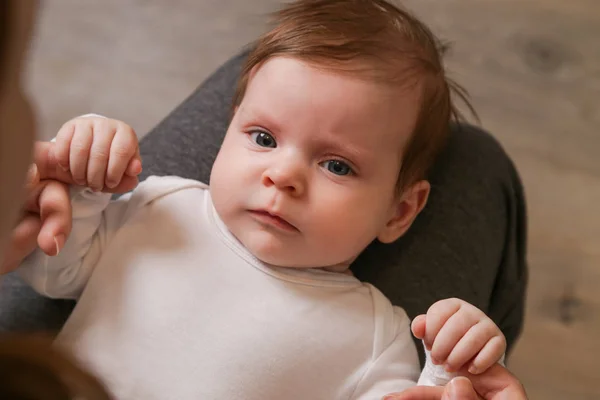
340,268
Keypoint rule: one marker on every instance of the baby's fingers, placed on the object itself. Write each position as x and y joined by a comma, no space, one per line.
135,165
62,147
470,344
123,149
418,326
437,315
491,353
81,145
451,334
100,153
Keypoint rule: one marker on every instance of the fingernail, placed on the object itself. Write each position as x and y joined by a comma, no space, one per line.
59,241
111,184
452,391
32,176
32,172
448,368
473,370
435,361
66,169
449,392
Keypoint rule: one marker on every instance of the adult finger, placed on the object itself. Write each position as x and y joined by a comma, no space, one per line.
418,393
457,389
22,242
497,383
55,213
51,201
33,178
460,388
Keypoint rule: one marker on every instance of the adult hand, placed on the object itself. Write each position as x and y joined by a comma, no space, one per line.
497,383
46,219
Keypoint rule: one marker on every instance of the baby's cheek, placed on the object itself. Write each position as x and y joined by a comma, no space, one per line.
342,232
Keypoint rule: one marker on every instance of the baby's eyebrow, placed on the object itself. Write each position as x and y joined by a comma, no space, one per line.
341,146
256,115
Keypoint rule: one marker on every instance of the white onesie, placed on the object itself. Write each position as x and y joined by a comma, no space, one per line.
172,306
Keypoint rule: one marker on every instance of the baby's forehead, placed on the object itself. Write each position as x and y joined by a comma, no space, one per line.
289,89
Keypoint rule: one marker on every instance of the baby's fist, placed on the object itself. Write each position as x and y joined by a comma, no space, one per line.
458,333
98,152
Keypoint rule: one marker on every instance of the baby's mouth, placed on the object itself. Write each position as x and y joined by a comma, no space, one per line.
272,219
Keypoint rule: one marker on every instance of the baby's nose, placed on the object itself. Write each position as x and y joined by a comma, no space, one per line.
288,177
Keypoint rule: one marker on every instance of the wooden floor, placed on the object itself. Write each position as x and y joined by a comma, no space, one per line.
532,67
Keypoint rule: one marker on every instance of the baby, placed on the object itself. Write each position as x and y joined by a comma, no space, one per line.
241,289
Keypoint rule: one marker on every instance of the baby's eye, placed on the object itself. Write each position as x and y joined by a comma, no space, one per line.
263,139
337,167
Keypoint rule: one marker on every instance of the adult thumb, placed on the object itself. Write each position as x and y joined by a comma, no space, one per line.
497,383
460,388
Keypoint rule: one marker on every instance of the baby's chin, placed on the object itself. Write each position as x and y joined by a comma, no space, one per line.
290,251
280,256
269,250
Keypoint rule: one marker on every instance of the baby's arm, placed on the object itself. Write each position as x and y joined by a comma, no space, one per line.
87,144
395,362
456,335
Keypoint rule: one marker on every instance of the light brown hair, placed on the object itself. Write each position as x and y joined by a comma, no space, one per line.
376,40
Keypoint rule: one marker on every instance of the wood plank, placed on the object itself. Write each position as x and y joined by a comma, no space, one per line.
557,353
533,69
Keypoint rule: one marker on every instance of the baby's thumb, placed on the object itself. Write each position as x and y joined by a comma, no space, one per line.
418,326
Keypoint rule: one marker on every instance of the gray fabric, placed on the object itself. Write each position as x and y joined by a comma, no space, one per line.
469,242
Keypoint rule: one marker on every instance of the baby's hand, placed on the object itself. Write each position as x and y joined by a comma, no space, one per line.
98,152
458,333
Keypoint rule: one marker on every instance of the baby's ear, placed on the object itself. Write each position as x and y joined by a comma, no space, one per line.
405,210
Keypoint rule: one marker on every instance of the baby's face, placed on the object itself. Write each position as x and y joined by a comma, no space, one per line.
306,174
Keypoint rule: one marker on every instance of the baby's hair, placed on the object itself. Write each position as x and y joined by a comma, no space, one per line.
375,40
